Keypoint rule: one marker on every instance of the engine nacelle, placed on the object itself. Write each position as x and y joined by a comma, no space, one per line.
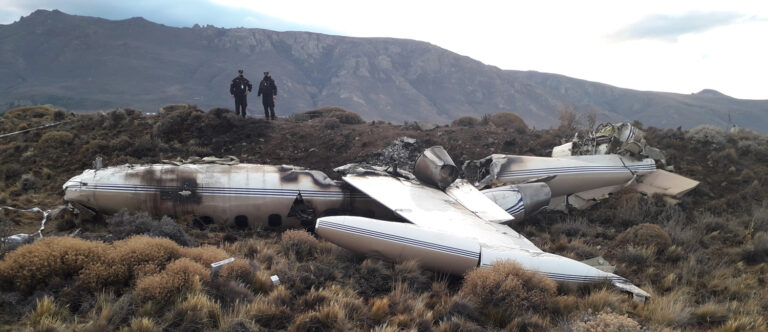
436,168
521,200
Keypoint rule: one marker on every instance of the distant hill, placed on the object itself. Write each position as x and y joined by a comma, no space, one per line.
85,63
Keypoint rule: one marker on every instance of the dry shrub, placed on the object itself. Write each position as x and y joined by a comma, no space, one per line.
602,299
530,323
142,324
745,324
563,306
246,272
668,310
317,298
458,324
331,124
756,252
31,112
134,257
648,235
707,134
299,245
506,290
605,321
330,112
47,312
267,314
239,324
36,265
509,120
197,313
205,255
249,248
465,121
328,318
348,117
180,275
379,309
55,140
635,257
229,293
101,314
239,270
710,313
574,226
124,224
374,278
413,276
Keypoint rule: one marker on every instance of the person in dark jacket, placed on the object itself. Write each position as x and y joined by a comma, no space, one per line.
268,93
239,89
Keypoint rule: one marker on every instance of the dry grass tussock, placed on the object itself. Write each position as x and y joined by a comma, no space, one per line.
180,275
505,290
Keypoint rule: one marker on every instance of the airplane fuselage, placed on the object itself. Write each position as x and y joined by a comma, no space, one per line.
242,195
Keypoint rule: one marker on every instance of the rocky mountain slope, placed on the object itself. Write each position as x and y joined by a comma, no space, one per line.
85,63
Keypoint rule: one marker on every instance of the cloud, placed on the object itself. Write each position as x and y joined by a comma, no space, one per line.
179,13
670,28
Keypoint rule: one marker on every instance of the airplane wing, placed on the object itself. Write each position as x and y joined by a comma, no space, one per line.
446,235
435,210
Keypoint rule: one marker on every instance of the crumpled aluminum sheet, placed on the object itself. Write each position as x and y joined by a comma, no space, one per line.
22,238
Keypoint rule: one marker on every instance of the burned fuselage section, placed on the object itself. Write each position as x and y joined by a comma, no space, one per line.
242,194
585,170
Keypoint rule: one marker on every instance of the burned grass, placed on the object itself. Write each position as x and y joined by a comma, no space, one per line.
704,259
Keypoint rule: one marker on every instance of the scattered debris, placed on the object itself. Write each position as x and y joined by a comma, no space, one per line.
35,128
14,241
228,160
215,267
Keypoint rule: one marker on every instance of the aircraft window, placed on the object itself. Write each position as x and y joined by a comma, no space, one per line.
241,222
275,220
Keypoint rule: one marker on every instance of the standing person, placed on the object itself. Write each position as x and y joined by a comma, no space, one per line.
268,91
239,89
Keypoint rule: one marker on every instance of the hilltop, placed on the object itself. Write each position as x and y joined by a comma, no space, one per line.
88,64
704,260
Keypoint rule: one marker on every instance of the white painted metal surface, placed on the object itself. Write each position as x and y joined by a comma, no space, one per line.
432,209
476,202
401,241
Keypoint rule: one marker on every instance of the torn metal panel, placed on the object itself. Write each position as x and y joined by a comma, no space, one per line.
474,200
611,138
665,183
53,124
600,263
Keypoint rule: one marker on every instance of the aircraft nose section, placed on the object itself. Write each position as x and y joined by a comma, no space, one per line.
73,189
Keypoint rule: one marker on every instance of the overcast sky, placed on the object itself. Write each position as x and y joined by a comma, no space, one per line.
677,46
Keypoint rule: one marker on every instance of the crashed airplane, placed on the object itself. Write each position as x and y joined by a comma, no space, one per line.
431,216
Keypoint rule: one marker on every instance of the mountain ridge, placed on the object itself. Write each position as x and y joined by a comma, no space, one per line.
85,63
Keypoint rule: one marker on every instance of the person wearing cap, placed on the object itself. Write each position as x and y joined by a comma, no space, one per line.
268,94
239,89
